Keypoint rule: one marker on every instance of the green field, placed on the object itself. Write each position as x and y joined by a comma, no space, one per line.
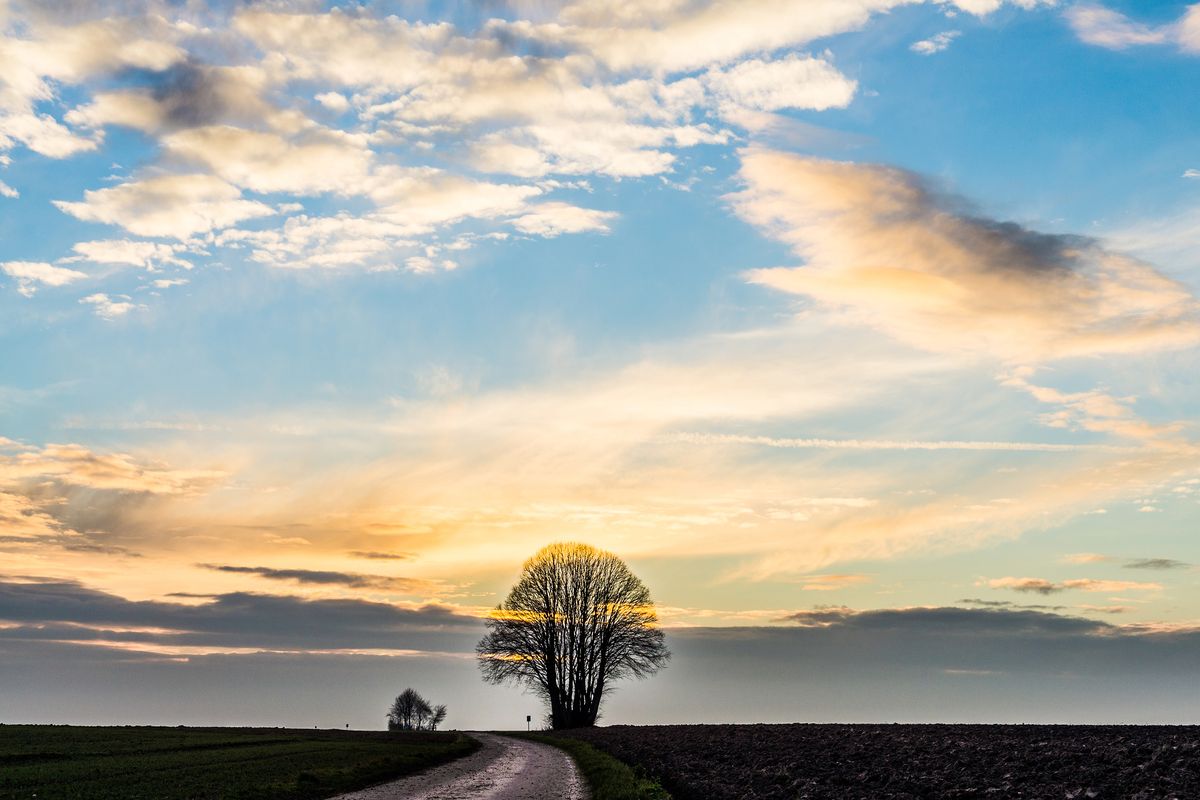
53,762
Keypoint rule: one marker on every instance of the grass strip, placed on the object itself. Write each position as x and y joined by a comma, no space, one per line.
607,778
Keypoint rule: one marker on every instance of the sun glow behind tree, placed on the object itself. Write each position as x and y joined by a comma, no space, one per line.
576,621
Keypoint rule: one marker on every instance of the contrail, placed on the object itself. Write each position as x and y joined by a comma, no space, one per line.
890,444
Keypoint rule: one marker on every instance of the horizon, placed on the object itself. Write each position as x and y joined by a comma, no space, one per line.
867,337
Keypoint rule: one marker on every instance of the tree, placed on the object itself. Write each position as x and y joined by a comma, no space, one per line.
576,621
411,712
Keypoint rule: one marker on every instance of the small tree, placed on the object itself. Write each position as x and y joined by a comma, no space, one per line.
411,712
576,621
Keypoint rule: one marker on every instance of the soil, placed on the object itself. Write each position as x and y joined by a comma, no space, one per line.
889,762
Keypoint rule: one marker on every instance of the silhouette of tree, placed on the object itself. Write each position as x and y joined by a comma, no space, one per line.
411,712
576,621
438,717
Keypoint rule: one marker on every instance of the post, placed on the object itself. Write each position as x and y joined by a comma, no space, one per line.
528,722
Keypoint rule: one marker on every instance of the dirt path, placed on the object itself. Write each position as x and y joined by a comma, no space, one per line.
503,769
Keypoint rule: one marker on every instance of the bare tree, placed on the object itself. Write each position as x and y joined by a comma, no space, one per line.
438,717
576,621
411,712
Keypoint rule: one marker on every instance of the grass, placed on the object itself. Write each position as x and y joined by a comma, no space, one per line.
608,778
59,762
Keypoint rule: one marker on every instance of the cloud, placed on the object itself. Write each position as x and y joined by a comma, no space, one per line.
29,274
168,206
791,82
883,249
1038,585
8,191
1093,410
1104,27
418,110
974,601
334,101
676,36
1045,587
68,498
378,556
267,162
38,56
1086,558
147,255
344,240
189,94
949,621
935,44
899,664
108,308
423,199
352,580
553,219
76,465
1156,564
876,444
523,116
69,611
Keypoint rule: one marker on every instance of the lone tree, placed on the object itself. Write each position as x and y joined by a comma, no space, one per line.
411,712
576,621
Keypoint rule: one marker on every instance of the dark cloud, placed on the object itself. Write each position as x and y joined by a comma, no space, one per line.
949,621
1013,247
381,556
923,665
975,601
1035,586
1157,563
188,94
191,94
70,611
1001,640
351,580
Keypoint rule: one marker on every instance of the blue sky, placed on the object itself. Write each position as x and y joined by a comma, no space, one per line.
888,307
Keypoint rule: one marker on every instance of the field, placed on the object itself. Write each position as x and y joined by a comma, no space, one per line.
771,762
60,762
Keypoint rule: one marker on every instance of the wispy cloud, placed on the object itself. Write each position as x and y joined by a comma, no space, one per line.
109,307
877,444
1046,587
1101,26
935,44
351,580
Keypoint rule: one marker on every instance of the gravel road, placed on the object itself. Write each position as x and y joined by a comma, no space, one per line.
503,769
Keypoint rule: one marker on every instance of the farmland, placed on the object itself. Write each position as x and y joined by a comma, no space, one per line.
772,762
83,763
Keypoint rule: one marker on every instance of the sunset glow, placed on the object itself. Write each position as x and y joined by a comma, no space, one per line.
832,319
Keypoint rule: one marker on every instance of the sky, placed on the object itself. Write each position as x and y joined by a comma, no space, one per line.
867,333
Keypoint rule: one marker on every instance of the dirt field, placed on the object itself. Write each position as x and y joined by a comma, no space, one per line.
757,762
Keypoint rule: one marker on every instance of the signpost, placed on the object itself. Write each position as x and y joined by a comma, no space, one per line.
528,722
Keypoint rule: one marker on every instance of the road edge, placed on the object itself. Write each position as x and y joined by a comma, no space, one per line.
607,778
